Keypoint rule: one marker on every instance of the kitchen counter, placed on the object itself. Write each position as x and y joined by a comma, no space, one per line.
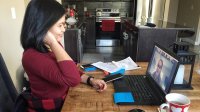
164,24
79,37
159,25
141,39
74,40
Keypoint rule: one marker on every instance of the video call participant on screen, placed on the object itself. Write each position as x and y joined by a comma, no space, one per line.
157,74
51,71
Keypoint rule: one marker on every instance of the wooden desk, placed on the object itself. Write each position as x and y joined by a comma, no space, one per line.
85,99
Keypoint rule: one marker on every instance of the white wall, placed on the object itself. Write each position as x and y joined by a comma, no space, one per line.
10,47
198,34
188,15
173,8
160,11
166,10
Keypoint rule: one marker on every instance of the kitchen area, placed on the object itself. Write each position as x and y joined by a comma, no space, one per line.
108,30
114,29
96,38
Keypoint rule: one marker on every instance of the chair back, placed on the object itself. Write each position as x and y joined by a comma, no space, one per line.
8,92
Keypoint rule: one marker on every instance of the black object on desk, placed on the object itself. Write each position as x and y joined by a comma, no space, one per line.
136,110
180,47
186,58
110,78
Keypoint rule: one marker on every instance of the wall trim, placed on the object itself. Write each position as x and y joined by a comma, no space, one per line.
198,33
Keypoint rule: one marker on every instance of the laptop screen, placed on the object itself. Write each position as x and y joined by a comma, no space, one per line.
162,68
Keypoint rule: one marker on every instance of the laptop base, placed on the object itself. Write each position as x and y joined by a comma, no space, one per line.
141,96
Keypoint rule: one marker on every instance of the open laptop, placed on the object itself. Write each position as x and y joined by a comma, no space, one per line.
151,88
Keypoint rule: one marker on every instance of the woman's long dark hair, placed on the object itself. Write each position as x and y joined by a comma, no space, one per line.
39,17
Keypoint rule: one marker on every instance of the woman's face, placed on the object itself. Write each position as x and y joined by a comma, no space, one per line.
58,28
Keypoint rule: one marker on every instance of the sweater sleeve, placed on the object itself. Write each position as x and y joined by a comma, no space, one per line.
69,69
46,67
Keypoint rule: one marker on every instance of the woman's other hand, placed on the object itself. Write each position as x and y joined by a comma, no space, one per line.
99,84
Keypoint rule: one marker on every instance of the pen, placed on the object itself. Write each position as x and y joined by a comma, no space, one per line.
82,67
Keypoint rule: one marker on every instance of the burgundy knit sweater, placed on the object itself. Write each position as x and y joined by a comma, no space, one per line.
49,78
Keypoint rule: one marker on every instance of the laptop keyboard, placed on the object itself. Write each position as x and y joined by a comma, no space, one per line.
140,89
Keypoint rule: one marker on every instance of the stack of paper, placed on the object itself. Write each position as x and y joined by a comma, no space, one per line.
111,67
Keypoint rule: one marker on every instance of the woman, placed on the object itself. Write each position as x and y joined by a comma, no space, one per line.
50,69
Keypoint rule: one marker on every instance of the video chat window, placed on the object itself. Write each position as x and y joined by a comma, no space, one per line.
161,68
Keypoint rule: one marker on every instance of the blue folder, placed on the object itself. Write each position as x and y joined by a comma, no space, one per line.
88,67
123,97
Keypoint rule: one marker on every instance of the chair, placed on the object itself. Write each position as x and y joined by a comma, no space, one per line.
184,34
8,92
